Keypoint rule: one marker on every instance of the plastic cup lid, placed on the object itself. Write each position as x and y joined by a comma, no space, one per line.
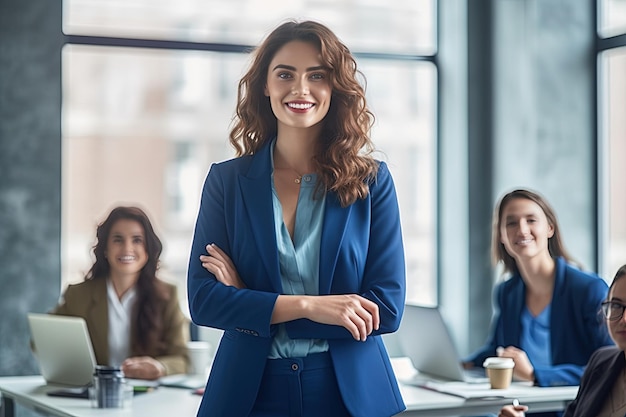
498,363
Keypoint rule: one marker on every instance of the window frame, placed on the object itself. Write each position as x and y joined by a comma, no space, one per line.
177,45
604,44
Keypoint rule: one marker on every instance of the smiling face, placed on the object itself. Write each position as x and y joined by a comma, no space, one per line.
524,229
126,248
298,86
617,328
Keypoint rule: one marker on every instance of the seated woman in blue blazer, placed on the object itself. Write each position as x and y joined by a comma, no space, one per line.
301,243
547,313
601,392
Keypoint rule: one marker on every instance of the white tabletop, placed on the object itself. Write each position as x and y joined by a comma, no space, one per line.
30,391
452,398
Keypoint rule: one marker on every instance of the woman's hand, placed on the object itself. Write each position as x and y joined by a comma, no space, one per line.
523,368
143,367
513,411
357,314
220,265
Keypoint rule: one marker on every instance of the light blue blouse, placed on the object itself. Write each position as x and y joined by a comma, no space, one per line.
535,337
299,261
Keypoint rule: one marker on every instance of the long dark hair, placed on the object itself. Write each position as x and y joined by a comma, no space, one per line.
151,292
343,158
555,243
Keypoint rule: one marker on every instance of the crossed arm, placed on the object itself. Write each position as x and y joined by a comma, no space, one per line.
355,313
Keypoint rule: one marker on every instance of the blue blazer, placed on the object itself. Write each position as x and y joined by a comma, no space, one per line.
361,252
577,327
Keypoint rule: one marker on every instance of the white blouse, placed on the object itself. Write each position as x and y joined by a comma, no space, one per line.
120,315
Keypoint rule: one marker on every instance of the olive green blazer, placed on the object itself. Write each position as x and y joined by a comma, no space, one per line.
89,301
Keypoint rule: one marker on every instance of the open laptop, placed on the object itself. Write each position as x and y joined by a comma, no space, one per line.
63,349
424,338
65,354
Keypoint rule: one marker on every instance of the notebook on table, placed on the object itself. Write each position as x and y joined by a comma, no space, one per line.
424,338
63,349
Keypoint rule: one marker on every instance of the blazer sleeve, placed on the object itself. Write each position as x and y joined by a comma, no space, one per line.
212,303
88,300
175,335
581,334
73,302
383,277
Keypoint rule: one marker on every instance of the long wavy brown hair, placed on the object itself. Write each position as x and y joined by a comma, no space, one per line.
151,292
555,243
343,158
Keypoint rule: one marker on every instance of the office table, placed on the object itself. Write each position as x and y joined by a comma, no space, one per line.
30,392
422,402
457,398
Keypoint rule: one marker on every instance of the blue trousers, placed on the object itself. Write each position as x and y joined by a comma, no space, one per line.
299,387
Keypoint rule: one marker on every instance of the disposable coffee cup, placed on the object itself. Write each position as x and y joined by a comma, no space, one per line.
199,357
500,371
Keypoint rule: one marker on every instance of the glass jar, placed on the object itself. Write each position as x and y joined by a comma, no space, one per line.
109,389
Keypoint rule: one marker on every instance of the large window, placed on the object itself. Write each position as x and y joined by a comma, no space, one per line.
612,102
612,17
149,91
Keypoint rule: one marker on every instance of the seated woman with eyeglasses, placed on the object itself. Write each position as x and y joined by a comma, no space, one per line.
602,391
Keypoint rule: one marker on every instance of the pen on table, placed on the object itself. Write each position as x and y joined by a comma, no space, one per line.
141,389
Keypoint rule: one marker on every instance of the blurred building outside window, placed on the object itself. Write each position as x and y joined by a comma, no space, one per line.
141,126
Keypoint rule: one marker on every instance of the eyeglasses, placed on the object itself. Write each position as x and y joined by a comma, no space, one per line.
613,310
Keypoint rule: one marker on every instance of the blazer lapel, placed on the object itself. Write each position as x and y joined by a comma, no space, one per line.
514,302
257,196
98,320
256,192
333,230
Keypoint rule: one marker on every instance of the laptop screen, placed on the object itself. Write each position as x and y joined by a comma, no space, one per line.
424,338
63,349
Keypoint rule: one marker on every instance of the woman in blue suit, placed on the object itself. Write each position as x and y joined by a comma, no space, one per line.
297,252
548,314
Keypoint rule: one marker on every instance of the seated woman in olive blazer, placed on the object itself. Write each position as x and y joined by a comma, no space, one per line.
134,319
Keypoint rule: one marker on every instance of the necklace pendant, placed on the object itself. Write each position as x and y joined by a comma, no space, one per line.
298,180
